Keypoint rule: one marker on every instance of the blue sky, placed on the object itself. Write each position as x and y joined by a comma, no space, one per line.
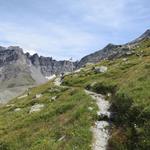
71,28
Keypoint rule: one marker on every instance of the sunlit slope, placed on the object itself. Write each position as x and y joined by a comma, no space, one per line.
128,79
63,123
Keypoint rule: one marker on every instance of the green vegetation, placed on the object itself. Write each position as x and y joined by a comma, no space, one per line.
129,83
64,123
67,116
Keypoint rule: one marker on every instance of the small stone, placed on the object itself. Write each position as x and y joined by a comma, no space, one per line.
57,81
103,114
38,96
62,138
36,108
90,108
93,84
101,124
17,109
53,98
78,70
101,69
10,105
124,59
23,96
108,94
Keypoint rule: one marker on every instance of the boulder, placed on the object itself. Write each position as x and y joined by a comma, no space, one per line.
124,59
90,108
36,108
38,96
17,109
101,69
53,98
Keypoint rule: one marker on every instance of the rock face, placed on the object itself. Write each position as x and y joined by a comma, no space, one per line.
48,66
19,70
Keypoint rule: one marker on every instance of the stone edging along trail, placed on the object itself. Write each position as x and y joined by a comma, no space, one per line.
100,129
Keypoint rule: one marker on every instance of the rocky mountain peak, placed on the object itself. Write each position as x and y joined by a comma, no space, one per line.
2,48
16,49
111,46
145,35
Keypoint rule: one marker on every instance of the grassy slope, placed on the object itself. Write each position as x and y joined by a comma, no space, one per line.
129,83
67,116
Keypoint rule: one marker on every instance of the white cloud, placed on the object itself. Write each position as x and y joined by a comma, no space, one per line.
71,27
59,41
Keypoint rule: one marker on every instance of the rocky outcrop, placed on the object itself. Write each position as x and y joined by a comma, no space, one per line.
22,70
48,66
145,35
112,51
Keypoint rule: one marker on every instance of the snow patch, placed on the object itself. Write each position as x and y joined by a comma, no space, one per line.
23,96
51,77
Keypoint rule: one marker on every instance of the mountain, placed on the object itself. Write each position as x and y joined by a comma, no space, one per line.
60,115
19,70
145,35
112,51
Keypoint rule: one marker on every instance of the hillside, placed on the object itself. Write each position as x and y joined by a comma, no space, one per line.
128,81
63,120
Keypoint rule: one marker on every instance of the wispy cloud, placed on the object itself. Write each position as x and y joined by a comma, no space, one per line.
59,42
69,28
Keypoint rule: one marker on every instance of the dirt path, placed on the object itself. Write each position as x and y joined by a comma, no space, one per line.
100,130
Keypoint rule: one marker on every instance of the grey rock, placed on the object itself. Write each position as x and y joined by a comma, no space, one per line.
53,98
36,108
101,69
62,138
38,96
17,109
21,70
